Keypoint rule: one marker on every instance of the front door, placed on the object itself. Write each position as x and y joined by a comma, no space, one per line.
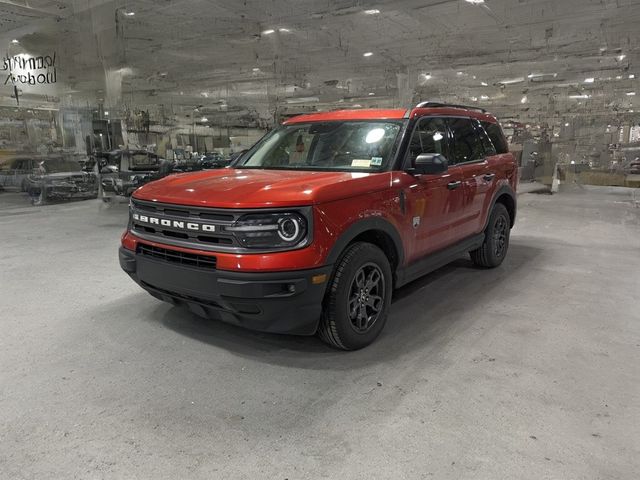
433,203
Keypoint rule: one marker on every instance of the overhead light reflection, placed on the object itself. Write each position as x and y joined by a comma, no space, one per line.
375,135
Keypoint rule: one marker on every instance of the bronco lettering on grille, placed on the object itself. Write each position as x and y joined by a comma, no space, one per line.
197,227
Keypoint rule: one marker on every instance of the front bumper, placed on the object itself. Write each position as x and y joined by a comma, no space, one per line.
275,302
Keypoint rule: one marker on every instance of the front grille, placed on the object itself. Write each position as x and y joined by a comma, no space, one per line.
174,256
219,239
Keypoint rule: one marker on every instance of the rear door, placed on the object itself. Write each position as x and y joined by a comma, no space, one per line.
433,202
471,151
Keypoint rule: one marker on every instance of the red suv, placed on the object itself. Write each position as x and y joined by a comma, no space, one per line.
313,228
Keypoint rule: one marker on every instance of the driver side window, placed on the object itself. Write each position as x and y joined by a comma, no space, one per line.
430,136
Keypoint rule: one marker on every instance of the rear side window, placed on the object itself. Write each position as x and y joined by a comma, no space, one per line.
489,149
497,137
467,144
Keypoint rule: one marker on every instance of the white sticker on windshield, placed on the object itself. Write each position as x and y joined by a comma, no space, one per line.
376,161
361,163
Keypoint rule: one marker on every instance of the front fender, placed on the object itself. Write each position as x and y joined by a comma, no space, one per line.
372,223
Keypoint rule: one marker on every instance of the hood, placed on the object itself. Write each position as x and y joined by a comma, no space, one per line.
248,188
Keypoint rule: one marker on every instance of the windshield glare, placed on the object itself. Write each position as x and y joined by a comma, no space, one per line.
351,146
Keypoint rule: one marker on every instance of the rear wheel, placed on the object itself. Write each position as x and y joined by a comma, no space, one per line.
496,239
357,301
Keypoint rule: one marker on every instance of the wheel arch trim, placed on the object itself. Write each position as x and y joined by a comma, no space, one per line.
362,226
503,190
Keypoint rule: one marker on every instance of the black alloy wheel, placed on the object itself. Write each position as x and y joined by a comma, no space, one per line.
500,230
367,297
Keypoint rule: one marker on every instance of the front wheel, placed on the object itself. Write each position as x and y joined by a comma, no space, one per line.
496,239
358,298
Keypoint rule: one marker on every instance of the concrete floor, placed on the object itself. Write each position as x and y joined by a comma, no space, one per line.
530,371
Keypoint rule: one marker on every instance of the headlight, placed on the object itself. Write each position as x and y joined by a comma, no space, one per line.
271,230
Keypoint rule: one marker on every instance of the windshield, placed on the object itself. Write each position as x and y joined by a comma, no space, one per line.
351,146
139,159
56,166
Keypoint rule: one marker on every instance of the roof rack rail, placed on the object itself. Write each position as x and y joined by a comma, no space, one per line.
449,105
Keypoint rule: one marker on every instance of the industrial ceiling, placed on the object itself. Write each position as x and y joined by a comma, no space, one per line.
244,60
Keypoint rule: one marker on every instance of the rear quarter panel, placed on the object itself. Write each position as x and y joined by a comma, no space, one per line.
506,169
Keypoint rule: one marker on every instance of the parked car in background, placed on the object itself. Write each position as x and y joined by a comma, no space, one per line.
213,160
124,171
14,173
58,178
634,167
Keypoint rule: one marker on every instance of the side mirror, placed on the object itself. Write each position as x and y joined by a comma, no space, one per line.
430,164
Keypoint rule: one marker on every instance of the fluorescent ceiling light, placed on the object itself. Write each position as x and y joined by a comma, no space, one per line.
106,113
204,119
576,97
621,57
256,69
427,76
484,97
367,54
129,14
459,73
631,94
371,94
284,30
373,11
589,80
474,99
511,81
268,31
303,100
524,99
632,76
475,2
15,41
566,124
484,84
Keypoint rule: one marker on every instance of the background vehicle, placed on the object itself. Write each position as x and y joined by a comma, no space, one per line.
213,160
57,178
634,168
14,172
123,171
312,229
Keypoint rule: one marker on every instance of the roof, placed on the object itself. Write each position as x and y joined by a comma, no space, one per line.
360,114
381,114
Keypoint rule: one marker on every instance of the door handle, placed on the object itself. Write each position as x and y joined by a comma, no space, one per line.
454,185
489,177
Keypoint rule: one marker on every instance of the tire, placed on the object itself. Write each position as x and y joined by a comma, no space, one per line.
496,239
358,298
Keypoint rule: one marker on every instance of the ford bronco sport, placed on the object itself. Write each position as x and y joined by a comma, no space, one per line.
312,228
